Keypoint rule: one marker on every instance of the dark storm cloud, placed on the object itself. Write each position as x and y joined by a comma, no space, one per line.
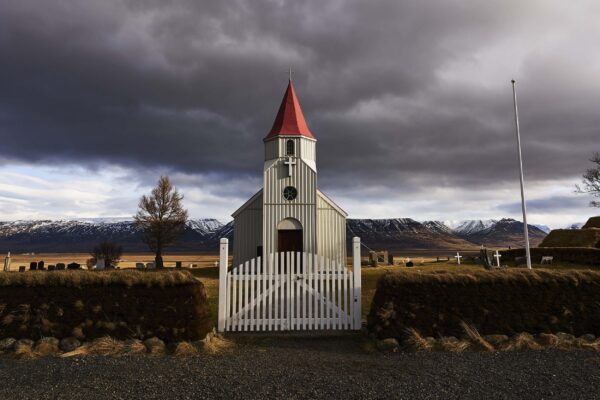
395,91
548,205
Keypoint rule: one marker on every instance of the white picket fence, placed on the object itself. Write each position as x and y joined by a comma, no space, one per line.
290,291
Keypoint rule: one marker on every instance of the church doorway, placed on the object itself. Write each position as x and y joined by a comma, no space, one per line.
289,236
289,240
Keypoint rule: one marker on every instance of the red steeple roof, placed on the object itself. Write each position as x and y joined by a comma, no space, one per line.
290,120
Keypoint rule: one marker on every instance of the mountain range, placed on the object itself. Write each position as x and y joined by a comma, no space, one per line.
202,235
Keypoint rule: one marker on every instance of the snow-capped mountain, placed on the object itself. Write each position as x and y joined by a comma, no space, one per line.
203,234
543,228
469,227
438,226
404,233
497,233
576,225
205,226
83,234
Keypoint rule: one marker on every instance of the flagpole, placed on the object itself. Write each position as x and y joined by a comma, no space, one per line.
525,227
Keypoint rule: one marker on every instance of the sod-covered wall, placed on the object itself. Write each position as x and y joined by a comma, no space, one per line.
572,238
578,255
171,305
494,302
593,222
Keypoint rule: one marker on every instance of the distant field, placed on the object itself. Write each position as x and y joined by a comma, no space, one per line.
129,260
204,259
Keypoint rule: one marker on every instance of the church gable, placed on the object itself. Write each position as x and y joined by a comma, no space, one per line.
331,229
276,179
255,202
324,202
247,229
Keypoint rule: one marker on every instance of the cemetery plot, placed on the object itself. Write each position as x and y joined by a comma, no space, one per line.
129,260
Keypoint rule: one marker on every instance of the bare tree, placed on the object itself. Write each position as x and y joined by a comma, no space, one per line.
109,251
161,218
591,181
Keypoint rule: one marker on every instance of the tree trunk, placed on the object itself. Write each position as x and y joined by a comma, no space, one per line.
158,260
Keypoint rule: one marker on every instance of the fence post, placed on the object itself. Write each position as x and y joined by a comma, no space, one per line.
357,283
223,261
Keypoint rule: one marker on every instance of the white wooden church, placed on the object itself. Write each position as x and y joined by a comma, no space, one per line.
289,213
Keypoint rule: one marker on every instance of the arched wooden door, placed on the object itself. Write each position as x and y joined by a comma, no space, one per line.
289,236
289,240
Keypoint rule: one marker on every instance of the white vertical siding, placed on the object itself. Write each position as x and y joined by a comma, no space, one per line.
276,208
304,148
308,149
247,231
331,231
323,225
272,149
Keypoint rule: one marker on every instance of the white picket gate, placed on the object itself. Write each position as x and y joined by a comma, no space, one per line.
290,291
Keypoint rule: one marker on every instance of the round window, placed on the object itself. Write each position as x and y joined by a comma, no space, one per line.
290,193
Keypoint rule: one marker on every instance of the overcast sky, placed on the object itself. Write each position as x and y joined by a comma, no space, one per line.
410,101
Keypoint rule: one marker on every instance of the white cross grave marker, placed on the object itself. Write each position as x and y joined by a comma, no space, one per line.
7,263
458,257
497,257
290,163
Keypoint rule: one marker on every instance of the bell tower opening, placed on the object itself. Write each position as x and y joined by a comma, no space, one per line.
289,147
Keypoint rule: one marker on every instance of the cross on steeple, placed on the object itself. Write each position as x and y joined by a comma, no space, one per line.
290,74
290,163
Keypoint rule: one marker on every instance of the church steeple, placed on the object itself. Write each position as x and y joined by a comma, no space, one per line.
290,120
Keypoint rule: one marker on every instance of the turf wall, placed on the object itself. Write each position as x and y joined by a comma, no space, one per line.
171,305
494,302
578,255
593,222
572,238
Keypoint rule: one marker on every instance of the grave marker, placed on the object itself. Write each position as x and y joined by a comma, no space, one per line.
7,263
497,256
100,264
458,257
74,265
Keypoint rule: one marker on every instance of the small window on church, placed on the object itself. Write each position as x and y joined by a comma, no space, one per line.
290,193
289,151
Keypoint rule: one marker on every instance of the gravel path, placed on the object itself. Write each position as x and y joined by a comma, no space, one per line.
290,367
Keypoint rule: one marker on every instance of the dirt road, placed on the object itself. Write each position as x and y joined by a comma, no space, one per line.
295,367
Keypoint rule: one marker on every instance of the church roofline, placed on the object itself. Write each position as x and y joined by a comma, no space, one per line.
331,203
290,119
268,139
247,203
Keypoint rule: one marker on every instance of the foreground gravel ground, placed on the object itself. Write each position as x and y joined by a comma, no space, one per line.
289,367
